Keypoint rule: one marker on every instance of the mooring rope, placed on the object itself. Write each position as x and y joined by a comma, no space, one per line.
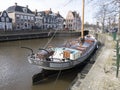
50,39
56,79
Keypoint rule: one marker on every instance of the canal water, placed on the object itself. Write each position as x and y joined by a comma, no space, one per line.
16,73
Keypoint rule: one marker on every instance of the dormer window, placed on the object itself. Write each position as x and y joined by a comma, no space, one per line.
25,10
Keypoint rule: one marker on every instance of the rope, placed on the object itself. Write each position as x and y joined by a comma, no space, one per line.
68,2
56,80
50,40
45,48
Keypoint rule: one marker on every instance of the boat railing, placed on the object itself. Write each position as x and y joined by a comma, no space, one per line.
51,63
56,60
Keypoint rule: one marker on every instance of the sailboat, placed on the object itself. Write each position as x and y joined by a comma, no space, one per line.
66,56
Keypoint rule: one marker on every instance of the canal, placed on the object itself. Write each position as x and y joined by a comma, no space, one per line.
16,73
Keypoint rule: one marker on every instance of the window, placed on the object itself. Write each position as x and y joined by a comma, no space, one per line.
18,26
18,17
32,18
39,14
25,10
21,16
0,25
7,19
3,19
25,24
25,17
28,17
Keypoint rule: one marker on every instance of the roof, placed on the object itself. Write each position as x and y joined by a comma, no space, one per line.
17,8
45,12
58,15
75,14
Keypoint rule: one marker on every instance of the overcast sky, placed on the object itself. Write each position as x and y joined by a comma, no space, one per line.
63,6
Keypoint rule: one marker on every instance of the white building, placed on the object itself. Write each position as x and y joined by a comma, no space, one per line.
23,17
48,20
73,21
39,20
5,21
60,21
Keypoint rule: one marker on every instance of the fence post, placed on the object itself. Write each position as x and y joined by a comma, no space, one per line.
114,35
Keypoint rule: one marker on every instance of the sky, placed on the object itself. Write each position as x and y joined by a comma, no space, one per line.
63,6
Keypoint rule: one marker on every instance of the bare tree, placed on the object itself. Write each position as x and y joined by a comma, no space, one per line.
107,13
101,16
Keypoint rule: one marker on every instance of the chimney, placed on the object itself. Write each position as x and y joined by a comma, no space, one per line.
50,9
35,11
15,4
58,12
26,6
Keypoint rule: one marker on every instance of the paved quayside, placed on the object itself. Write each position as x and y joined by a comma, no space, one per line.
102,75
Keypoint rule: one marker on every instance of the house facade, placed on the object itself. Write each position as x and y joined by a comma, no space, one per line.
5,21
23,17
38,20
60,21
48,20
73,21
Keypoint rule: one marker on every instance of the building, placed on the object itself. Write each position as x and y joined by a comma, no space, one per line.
73,21
49,20
60,21
39,20
23,17
5,21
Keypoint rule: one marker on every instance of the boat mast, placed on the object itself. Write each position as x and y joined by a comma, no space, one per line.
82,28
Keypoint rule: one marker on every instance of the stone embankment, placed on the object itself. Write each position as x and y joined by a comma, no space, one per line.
30,34
102,75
